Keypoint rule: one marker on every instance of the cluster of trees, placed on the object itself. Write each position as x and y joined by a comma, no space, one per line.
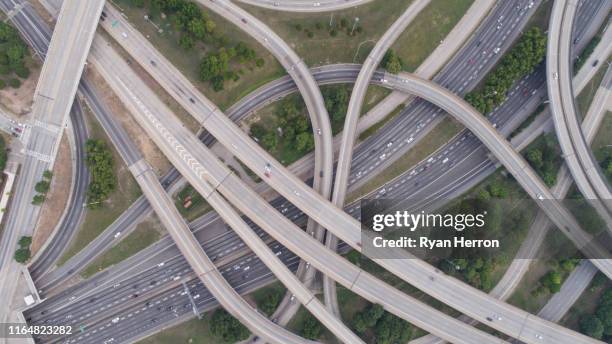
270,301
227,328
215,67
518,62
391,62
606,163
476,271
195,26
12,54
42,187
295,129
336,102
100,162
342,24
23,253
387,328
599,325
551,281
311,328
3,154
544,157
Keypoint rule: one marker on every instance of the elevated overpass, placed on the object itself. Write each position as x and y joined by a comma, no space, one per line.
53,99
576,152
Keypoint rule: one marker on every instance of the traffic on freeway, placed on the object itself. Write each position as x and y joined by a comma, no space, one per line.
256,227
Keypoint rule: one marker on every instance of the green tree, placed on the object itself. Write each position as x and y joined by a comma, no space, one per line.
14,83
101,164
25,241
38,199
47,175
22,255
226,327
392,62
592,326
311,328
42,187
304,142
186,42
3,153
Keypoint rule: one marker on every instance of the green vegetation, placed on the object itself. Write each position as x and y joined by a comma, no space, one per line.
268,298
386,327
221,58
311,328
190,203
319,43
544,155
42,187
227,328
599,325
196,331
392,62
161,30
22,254
521,60
586,52
100,162
427,30
126,192
288,134
12,56
144,235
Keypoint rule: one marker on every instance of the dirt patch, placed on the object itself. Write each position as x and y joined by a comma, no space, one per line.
145,145
19,101
57,198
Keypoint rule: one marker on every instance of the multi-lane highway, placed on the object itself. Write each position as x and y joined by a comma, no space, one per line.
53,99
201,168
576,152
305,199
422,121
541,225
206,271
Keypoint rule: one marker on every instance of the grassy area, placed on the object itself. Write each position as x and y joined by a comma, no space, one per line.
604,135
198,206
296,325
438,136
427,30
373,96
145,234
188,62
323,48
127,191
584,99
194,331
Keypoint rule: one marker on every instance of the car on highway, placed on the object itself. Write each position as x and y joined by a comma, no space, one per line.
268,170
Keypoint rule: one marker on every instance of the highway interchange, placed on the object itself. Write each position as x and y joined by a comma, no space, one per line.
470,138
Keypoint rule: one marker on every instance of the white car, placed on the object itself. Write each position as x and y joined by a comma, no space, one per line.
389,144
496,50
115,320
383,156
117,234
445,160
